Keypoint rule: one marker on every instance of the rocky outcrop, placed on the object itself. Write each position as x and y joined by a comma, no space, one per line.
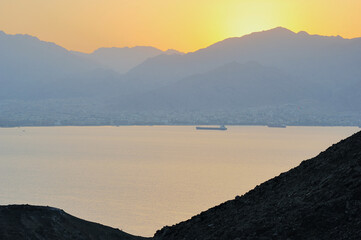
319,199
20,222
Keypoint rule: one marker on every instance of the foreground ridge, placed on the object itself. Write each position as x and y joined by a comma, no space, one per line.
19,222
319,199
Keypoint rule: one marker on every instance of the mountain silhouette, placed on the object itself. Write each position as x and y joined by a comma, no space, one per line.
319,199
34,69
316,60
37,222
319,75
121,60
233,86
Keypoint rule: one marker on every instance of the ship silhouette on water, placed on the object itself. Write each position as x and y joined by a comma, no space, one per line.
220,128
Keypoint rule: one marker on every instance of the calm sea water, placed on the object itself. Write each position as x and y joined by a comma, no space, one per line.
139,179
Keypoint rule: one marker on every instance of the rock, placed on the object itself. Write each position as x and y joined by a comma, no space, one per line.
18,222
319,199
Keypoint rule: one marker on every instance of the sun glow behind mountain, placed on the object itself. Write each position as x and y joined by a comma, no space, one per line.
186,25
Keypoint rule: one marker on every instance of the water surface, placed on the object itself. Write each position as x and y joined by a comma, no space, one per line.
139,179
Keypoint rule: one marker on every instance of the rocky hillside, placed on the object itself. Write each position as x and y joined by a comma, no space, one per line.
19,222
319,199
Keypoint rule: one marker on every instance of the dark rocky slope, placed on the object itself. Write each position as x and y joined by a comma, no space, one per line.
20,222
319,199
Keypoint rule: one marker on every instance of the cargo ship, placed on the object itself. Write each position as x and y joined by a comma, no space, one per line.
276,125
221,128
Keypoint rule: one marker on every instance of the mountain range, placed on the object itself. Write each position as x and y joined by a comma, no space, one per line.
326,67
232,86
264,72
121,60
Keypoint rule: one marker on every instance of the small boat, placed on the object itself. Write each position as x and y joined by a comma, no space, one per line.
221,128
276,125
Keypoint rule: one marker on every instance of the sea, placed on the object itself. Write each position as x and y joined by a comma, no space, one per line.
141,178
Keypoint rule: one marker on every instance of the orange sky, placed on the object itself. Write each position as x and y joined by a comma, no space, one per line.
185,25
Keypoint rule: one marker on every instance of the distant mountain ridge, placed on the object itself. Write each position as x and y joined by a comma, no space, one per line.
279,47
34,69
317,75
121,60
326,67
230,87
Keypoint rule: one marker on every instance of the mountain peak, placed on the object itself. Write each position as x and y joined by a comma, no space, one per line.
303,33
274,33
281,30
278,31
173,51
20,36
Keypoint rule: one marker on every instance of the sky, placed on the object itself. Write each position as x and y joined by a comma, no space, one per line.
185,25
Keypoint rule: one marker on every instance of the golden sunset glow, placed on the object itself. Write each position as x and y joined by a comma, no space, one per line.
185,25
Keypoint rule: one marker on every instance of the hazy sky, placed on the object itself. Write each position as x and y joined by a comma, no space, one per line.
185,25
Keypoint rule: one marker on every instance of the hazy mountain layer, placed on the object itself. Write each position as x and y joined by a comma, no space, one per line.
316,59
233,86
327,68
323,70
304,79
121,60
33,69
